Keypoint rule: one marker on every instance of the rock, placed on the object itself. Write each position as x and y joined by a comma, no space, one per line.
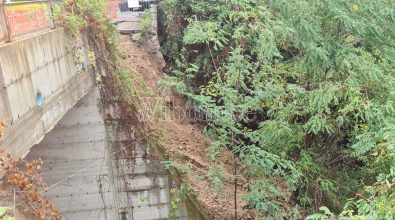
136,37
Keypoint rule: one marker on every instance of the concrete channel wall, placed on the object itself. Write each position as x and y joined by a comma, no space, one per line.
40,64
96,167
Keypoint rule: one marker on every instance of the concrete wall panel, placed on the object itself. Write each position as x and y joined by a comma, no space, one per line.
21,97
4,104
44,63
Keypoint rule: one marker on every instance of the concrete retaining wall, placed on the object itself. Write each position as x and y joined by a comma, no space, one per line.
41,63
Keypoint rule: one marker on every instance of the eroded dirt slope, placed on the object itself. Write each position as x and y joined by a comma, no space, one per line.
171,127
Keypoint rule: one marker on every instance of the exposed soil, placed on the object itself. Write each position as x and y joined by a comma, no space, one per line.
177,134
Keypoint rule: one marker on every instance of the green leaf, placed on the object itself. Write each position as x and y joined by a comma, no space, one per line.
7,217
3,210
325,210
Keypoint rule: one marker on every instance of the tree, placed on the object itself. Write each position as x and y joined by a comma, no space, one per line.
317,77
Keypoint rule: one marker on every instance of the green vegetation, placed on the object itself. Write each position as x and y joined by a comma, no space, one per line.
301,91
174,203
145,24
4,215
86,22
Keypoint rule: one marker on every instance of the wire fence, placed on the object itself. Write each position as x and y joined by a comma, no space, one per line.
27,17
19,18
3,24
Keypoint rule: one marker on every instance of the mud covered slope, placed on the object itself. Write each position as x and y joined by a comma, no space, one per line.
171,128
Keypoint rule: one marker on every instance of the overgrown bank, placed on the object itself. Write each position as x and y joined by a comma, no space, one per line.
176,138
128,75
301,92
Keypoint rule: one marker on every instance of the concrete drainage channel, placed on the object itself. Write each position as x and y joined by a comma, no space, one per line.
75,156
97,169
141,184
